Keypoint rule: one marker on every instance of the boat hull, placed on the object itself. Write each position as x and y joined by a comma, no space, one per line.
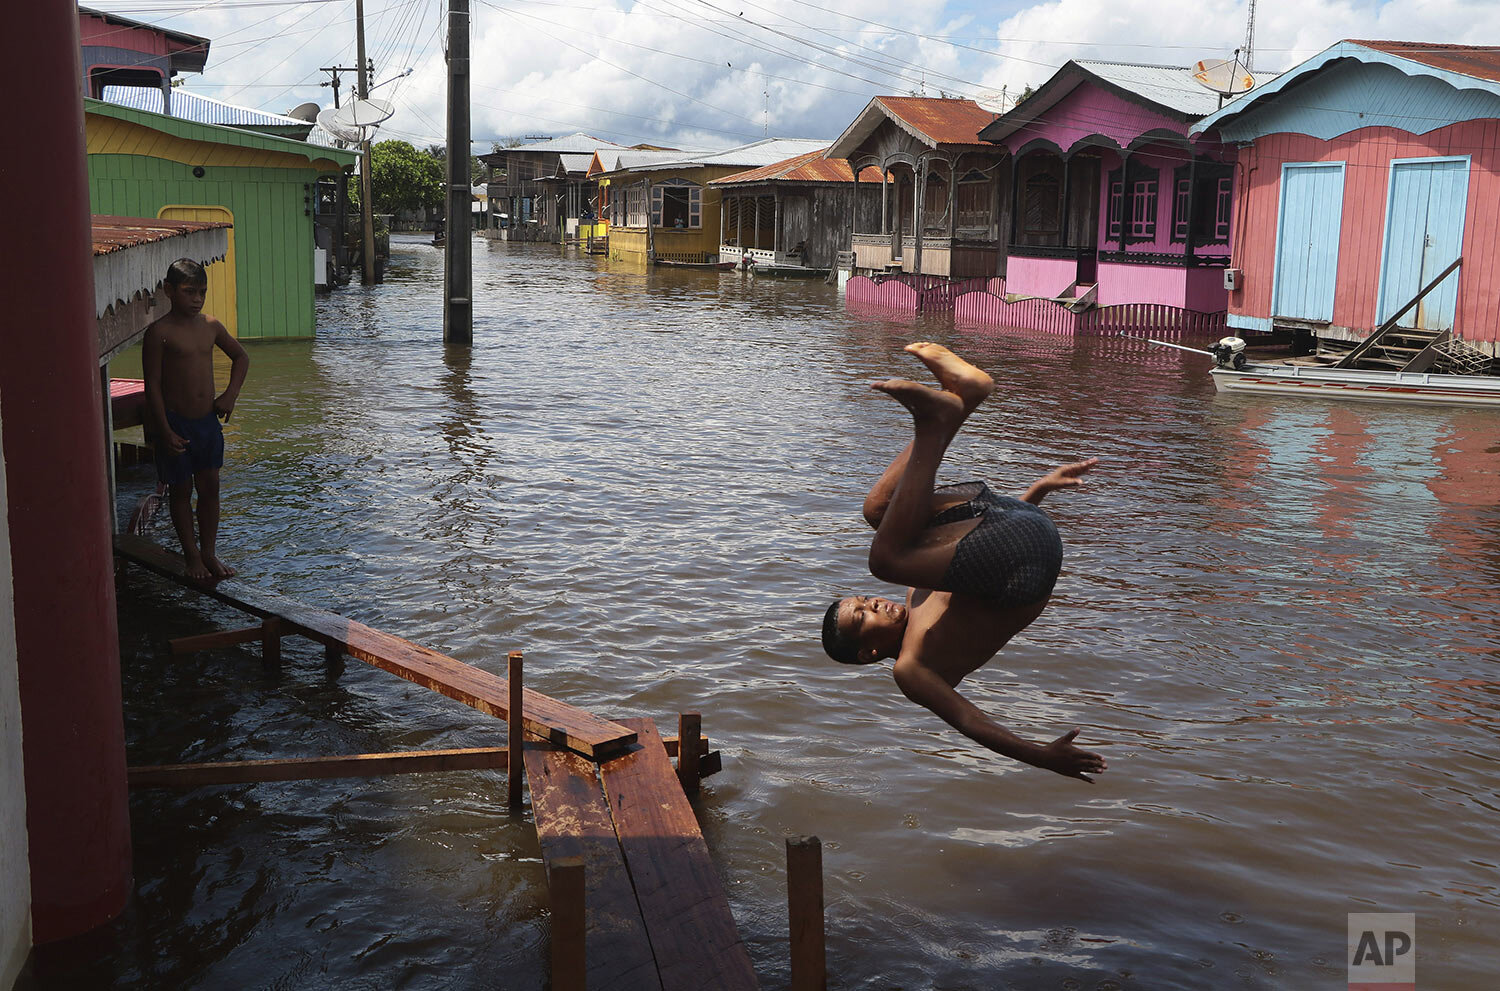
1348,383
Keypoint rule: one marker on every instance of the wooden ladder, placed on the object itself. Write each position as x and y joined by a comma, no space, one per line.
1375,350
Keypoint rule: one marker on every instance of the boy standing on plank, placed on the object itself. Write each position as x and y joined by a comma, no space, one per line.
183,412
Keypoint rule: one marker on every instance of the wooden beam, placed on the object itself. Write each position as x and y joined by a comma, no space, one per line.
305,768
804,897
270,641
547,718
208,641
686,912
710,762
689,731
514,733
565,887
573,820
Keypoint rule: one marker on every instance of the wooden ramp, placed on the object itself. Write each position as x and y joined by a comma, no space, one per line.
547,718
655,915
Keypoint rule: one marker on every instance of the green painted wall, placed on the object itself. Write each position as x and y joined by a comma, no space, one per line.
273,236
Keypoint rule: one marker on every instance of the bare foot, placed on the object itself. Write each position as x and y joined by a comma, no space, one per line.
197,570
218,568
928,406
966,381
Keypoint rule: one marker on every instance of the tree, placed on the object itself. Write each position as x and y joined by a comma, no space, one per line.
403,178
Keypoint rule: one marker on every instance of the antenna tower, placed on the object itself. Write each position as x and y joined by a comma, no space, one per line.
1249,59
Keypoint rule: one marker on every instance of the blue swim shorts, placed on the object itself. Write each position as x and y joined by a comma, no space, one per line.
205,448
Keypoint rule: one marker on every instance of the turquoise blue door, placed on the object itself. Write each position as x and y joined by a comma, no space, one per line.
1424,233
1307,241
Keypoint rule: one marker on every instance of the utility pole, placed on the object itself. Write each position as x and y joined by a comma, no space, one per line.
458,279
366,204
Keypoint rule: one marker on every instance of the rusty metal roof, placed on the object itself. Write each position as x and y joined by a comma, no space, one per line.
1479,61
809,167
940,121
119,233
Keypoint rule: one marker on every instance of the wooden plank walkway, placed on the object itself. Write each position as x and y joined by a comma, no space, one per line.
544,717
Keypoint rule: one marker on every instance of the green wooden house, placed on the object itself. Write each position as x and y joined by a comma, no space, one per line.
144,164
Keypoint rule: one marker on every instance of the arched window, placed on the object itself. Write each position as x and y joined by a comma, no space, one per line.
1041,213
677,203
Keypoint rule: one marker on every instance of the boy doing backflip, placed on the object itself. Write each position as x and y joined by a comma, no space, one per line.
981,568
183,412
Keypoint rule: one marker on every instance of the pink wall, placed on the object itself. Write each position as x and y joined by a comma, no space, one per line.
1089,110
1368,153
95,31
1165,161
1039,276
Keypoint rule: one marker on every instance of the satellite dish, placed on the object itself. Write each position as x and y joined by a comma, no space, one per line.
328,121
1224,76
993,101
305,111
364,113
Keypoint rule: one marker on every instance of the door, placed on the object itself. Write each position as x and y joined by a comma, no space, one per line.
1307,241
1424,232
220,302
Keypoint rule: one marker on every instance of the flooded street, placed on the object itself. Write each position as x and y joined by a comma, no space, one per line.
1276,619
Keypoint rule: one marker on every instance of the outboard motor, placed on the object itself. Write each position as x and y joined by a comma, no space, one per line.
1229,352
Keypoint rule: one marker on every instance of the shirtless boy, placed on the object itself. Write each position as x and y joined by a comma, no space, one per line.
183,412
981,568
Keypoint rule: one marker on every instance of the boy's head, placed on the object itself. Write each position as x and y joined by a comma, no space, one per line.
185,270
186,286
860,629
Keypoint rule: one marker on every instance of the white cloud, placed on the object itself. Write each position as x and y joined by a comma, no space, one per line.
696,73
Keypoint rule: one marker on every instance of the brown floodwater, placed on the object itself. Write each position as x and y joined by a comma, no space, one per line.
1277,618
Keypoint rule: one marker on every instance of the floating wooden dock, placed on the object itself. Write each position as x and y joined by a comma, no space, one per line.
636,902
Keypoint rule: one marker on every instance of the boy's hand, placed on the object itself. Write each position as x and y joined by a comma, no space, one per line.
223,406
176,444
1073,762
1064,477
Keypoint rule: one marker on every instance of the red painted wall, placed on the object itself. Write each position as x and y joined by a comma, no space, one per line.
66,642
96,31
1368,153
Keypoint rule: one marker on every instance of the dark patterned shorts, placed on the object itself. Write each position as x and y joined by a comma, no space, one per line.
1011,558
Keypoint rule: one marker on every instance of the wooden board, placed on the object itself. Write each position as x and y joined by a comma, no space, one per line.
687,915
557,722
573,820
303,768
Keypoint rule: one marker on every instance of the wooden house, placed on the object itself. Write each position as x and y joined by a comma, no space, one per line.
798,212
143,164
1113,204
1369,169
932,145
119,51
662,206
543,188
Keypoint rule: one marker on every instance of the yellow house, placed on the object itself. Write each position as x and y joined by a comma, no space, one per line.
661,206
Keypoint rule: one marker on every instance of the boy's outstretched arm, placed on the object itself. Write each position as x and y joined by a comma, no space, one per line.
239,367
156,405
1065,477
926,687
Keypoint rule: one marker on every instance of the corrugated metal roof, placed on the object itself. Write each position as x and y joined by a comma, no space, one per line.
575,142
1169,85
576,161
941,121
767,151
808,167
192,130
113,233
1479,61
187,105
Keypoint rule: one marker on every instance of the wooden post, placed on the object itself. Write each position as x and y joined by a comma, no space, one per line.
757,220
458,276
804,898
651,224
885,199
270,641
689,733
919,210
565,887
513,732
775,224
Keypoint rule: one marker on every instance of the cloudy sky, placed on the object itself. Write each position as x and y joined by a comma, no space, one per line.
714,73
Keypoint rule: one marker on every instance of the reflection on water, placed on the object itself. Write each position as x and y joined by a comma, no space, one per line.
1277,619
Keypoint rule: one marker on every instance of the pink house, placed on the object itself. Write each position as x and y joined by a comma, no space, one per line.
1120,216
1368,170
118,51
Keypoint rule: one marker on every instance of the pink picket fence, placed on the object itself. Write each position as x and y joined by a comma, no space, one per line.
912,293
989,309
